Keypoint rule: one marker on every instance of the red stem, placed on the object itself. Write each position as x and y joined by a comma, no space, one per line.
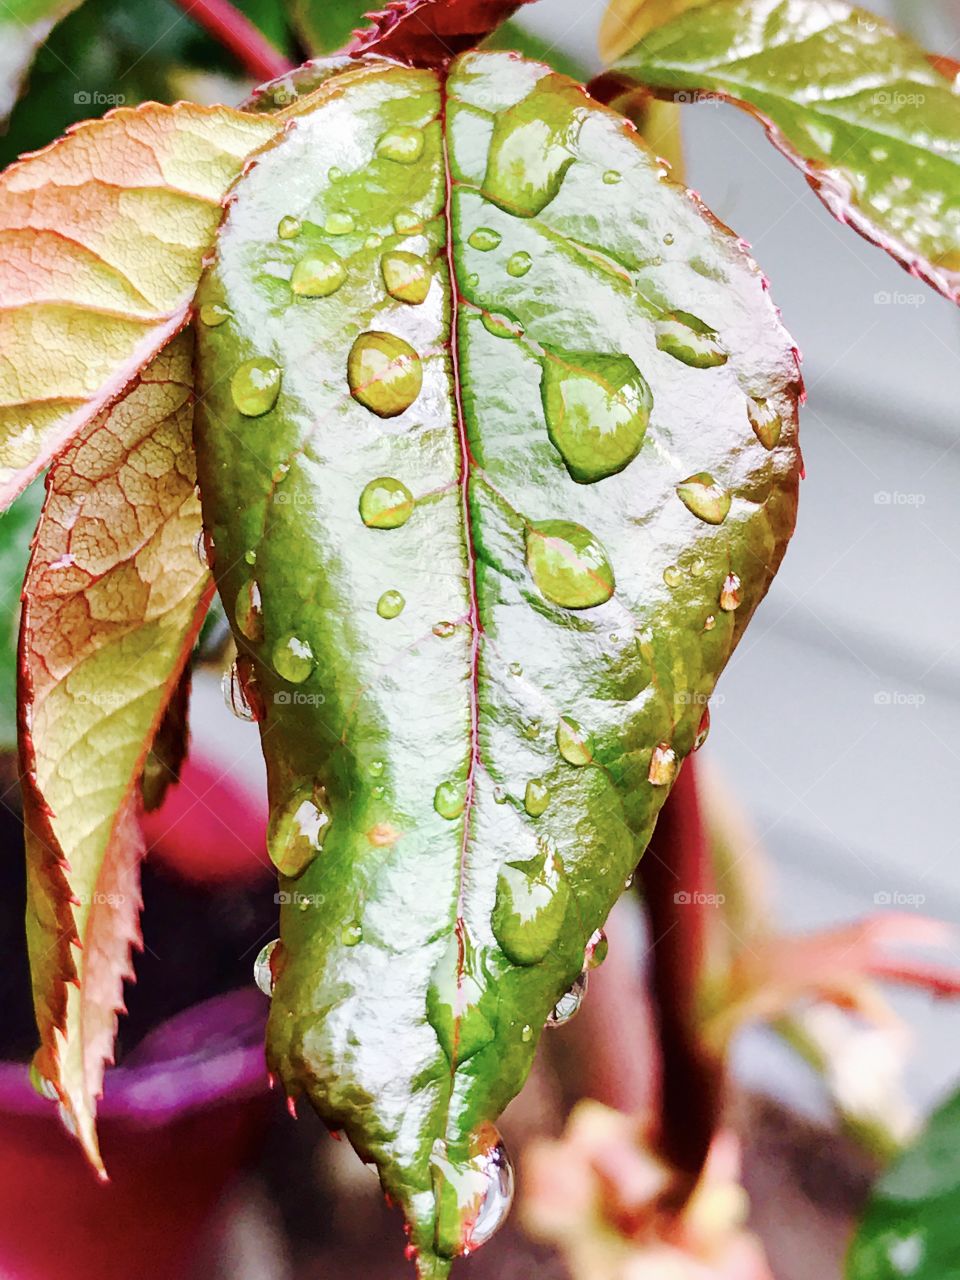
237,33
937,979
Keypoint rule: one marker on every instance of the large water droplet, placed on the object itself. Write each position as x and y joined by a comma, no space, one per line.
297,830
318,274
461,1002
531,903
234,694
568,1006
573,743
703,731
597,949
407,276
731,593
484,239
530,151
519,263
473,1190
289,227
390,605
450,799
403,144
597,409
339,223
386,503
663,765
568,564
766,422
293,658
263,968
384,372
213,314
248,612
536,797
687,338
702,496
501,324
255,386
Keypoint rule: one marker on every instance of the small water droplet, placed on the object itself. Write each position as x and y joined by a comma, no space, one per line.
351,934
390,605
339,223
444,630
473,1189
406,276
531,729
697,568
248,611
203,546
597,409
597,950
568,564
472,280
519,263
213,314
255,386
628,883
293,658
731,593
403,144
766,422
526,1035
704,498
289,227
612,177
318,274
690,340
536,798
386,503
384,373
672,575
573,743
499,795
501,324
516,669
235,696
377,767
710,623
703,731
450,799
460,999
568,1006
297,830
668,238
407,223
250,556
373,241
663,765
531,903
263,968
335,173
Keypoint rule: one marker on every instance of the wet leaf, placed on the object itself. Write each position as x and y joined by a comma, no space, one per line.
101,238
113,600
431,32
447,529
24,26
858,108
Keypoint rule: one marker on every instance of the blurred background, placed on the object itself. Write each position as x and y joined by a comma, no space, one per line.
834,752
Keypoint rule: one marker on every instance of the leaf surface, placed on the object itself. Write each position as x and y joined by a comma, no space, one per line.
857,107
470,360
101,240
114,596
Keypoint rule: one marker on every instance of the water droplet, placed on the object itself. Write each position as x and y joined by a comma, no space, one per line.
234,694
766,422
297,830
663,765
41,1083
293,658
531,729
377,767
536,797
697,568
460,999
530,151
668,239
702,496
263,968
384,373
444,630
248,611
516,669
703,731
518,264
289,227
612,177
568,564
203,546
318,274
731,593
499,795
710,623
339,223
472,280
213,314
501,324
573,743
672,575
597,950
568,1006
390,605
473,1190
526,1035
335,173
373,241
351,934
628,883
687,338
407,223
407,276
531,903
403,145
250,556
484,239
450,799
255,386
597,409
386,503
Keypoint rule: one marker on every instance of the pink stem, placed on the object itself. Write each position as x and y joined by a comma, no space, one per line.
238,34
937,979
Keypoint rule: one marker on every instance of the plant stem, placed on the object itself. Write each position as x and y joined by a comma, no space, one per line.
237,33
938,980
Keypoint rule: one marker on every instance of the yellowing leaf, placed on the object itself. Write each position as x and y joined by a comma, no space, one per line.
113,599
102,235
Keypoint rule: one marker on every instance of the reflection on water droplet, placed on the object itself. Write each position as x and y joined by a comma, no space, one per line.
536,797
263,968
351,934
663,765
526,1035
289,227
318,274
672,575
403,144
450,799
597,409
702,496
234,694
703,730
386,503
687,338
573,743
250,556
766,422
444,630
597,950
377,767
407,276
460,998
338,223
203,547
568,564
248,611
390,605
406,222
499,795
472,280
530,151
484,239
213,314
293,658
473,1186
518,264
668,238
568,1006
373,241
335,173
531,903
697,568
516,669
612,177
296,831
501,324
384,373
731,593
710,623
255,386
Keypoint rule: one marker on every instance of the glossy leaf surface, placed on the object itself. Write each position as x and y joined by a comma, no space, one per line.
101,240
476,617
910,1226
114,597
859,108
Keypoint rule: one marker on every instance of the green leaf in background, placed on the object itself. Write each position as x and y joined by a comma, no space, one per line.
327,25
497,459
859,108
910,1226
17,524
24,25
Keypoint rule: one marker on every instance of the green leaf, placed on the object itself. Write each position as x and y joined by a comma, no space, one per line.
910,1226
475,617
857,107
24,25
327,25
